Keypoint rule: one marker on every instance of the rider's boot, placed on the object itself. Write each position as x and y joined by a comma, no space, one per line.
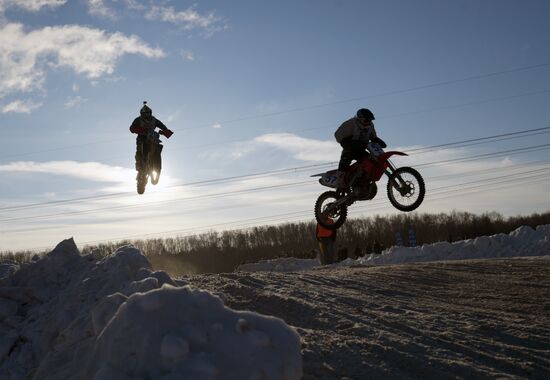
340,180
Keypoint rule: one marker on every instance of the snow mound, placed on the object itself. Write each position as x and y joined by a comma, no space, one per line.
67,316
523,241
7,269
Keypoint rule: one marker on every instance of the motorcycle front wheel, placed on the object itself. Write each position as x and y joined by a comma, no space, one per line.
406,189
156,166
326,214
155,176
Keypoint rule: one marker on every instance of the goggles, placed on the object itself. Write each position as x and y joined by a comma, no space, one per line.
365,122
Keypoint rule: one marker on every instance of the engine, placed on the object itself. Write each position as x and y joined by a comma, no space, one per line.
364,190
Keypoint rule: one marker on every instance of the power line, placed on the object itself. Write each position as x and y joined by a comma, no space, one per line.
294,169
247,191
529,149
382,117
510,134
204,182
488,170
508,177
147,204
387,93
321,105
285,216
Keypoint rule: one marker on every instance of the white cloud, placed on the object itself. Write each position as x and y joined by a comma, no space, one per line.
30,5
21,106
302,148
74,101
187,55
115,178
134,4
312,150
216,125
24,57
98,8
172,116
188,19
91,171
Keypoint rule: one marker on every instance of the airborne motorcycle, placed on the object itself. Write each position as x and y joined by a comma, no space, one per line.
151,150
405,186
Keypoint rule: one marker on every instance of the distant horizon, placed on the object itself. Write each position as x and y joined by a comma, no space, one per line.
83,245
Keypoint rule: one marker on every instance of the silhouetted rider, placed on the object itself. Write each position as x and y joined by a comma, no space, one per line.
142,125
354,135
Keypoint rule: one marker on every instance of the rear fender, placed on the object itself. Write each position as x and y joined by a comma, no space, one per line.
330,172
329,179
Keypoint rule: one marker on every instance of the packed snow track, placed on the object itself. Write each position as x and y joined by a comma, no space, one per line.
461,319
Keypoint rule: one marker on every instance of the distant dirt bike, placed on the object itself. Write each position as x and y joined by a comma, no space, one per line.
405,186
151,150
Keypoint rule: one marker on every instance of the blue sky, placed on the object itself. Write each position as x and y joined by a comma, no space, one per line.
250,87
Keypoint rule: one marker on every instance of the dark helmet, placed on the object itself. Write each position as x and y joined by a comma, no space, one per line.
364,115
145,110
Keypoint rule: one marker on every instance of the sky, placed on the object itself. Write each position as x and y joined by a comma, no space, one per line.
254,87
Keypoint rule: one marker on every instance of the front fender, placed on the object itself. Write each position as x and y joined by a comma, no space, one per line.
376,169
384,156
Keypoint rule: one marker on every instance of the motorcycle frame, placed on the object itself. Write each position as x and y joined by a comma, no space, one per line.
375,170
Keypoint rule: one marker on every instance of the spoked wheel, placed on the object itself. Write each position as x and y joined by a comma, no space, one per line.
326,211
406,189
141,182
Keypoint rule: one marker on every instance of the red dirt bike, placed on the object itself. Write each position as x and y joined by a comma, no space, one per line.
151,150
405,186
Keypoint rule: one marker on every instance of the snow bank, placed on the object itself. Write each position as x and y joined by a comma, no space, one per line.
524,241
68,316
7,269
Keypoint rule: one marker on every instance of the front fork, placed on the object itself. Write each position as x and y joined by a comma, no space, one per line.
402,185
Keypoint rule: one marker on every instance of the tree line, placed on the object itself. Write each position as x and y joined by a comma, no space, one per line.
223,251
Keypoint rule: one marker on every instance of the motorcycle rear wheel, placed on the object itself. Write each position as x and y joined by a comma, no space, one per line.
338,216
141,182
406,189
154,173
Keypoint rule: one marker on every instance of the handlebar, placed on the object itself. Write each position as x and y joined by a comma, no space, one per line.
375,148
153,135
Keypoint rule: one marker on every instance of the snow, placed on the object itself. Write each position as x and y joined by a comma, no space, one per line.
287,264
7,269
524,241
68,316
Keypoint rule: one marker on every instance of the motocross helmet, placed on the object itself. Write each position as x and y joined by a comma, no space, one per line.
145,111
364,116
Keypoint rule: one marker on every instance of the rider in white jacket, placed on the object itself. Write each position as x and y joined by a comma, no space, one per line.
354,135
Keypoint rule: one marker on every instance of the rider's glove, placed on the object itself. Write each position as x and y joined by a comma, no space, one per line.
167,133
